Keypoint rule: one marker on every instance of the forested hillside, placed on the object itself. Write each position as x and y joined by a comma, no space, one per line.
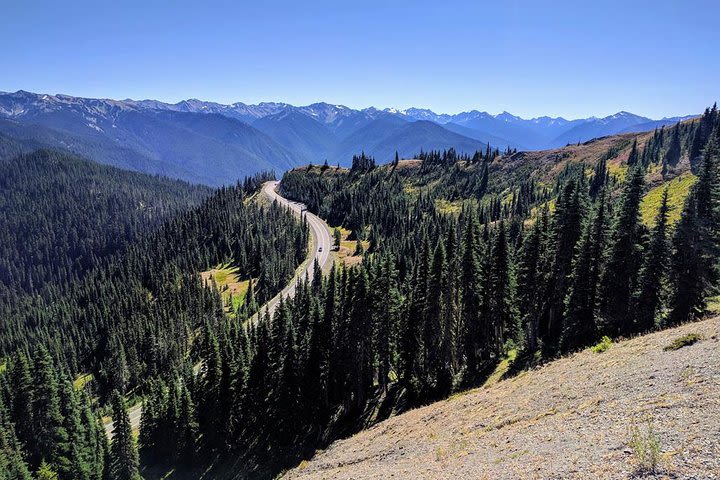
472,262
535,265
102,293
62,215
468,262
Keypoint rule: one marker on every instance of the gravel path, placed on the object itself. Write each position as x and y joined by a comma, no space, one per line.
569,419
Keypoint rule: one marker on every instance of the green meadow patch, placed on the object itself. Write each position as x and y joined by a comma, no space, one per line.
678,190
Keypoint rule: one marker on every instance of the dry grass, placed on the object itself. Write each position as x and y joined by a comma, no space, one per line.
570,419
346,253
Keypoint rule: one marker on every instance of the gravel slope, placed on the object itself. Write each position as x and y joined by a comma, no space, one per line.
569,419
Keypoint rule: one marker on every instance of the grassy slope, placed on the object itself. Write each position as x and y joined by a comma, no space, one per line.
228,284
544,167
573,418
678,189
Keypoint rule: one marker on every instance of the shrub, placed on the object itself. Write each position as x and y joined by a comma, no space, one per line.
603,346
683,341
646,448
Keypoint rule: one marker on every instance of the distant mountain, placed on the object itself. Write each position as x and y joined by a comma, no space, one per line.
423,114
653,124
368,137
204,148
504,129
483,136
516,131
500,130
28,137
384,136
307,139
535,133
599,127
215,144
238,111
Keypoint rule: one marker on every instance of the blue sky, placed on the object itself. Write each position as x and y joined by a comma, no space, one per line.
569,58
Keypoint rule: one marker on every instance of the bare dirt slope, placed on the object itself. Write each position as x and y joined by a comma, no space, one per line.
572,418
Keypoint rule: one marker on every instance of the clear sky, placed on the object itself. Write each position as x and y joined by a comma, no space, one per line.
572,58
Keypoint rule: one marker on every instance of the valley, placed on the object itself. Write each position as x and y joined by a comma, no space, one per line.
318,254
359,240
415,317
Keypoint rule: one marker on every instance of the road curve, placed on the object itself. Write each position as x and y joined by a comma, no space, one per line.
320,246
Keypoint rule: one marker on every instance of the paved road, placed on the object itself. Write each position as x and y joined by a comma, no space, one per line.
320,245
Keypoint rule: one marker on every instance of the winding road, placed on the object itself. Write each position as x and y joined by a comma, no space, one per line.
320,246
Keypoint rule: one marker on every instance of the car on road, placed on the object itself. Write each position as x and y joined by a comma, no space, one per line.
320,249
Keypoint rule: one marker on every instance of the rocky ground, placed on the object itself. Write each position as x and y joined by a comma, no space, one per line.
573,418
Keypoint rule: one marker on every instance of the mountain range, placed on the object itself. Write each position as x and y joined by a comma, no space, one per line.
215,144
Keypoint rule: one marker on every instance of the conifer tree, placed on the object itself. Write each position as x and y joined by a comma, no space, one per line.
337,238
652,277
566,230
696,242
672,155
438,381
688,284
484,178
314,383
386,319
12,465
46,472
633,155
579,327
360,328
708,210
70,448
359,248
471,299
503,316
210,419
46,417
599,179
529,281
620,276
413,349
21,411
188,429
124,462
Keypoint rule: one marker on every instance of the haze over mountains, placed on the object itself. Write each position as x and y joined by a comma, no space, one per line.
216,144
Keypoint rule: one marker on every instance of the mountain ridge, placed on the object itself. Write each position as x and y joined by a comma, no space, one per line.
328,112
215,144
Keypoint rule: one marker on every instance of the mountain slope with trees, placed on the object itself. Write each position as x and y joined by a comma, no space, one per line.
469,263
214,144
62,215
132,317
473,263
602,415
507,276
